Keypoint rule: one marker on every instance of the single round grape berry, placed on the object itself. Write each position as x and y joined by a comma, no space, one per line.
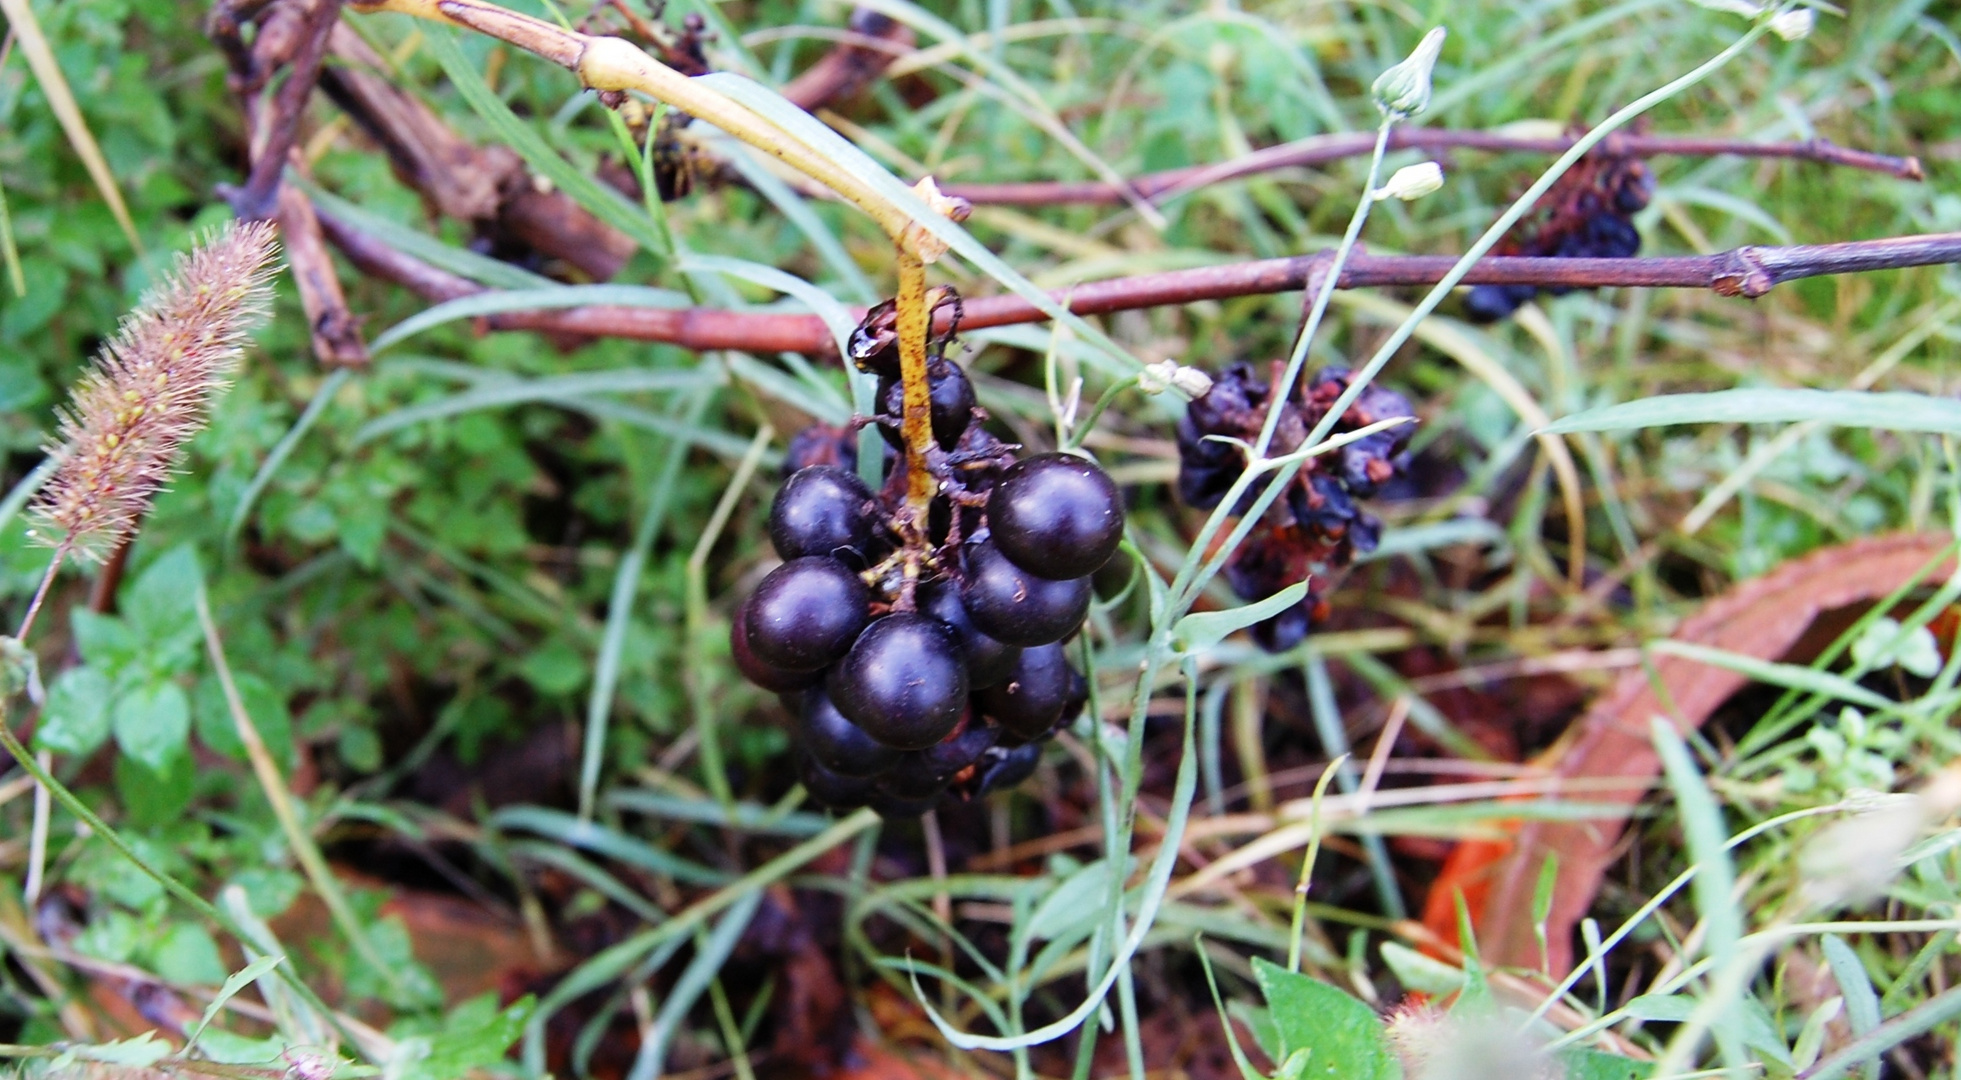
838,744
987,660
821,510
1056,515
903,681
928,772
1029,701
1003,769
768,676
806,613
834,790
1010,604
951,393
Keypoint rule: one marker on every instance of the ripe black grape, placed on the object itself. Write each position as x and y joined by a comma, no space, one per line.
838,744
1056,515
952,395
1029,701
929,771
806,613
822,510
903,681
1012,605
1001,769
987,660
767,676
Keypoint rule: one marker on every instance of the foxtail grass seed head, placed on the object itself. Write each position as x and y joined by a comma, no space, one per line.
150,391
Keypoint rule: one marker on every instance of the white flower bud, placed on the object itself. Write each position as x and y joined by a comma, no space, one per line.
1404,90
1156,378
1412,182
1793,24
1191,382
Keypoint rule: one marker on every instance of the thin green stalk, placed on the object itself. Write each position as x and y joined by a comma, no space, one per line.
1519,208
281,801
73,804
1299,927
1283,392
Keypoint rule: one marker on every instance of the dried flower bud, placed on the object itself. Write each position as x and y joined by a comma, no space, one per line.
1404,90
952,207
129,418
1412,182
1793,24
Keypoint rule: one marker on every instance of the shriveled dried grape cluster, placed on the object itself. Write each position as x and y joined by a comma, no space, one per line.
1588,214
1317,526
923,662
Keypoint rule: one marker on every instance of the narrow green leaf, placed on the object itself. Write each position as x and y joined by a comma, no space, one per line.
1845,408
1791,676
553,389
1204,629
601,201
550,298
239,980
462,262
1855,986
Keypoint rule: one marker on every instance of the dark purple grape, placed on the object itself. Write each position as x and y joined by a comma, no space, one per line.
1010,604
806,613
1028,703
903,681
1494,303
1056,515
987,660
822,510
874,345
832,789
767,676
838,744
952,394
821,444
928,772
1285,630
1003,769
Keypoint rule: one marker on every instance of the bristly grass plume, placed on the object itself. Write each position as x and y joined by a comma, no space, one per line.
151,389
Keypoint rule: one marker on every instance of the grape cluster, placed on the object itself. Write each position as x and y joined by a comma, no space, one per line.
1586,215
1316,526
923,660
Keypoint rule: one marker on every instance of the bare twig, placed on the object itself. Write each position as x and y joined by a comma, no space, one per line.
1322,149
1746,271
274,135
874,42
336,333
486,186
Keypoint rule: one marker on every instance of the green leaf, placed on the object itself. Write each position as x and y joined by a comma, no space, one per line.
162,602
238,981
1342,1036
154,798
1073,905
152,722
185,954
265,706
140,1052
1855,986
1581,1063
75,719
475,1035
104,640
226,1048
1846,408
1419,972
1205,629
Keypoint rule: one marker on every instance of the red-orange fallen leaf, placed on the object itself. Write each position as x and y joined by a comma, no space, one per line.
1763,618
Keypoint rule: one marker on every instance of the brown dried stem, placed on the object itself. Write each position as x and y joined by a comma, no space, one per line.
1746,271
874,41
1323,149
278,129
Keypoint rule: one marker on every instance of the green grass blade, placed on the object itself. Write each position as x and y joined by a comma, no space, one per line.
1844,408
61,100
281,450
1790,676
540,299
599,200
555,388
710,954
483,269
